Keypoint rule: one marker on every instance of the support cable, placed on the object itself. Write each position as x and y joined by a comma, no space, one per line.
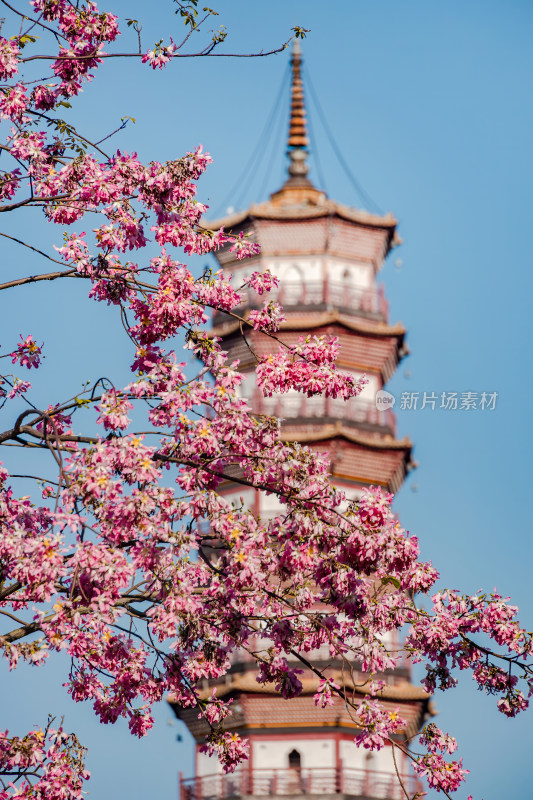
316,158
275,138
365,197
257,152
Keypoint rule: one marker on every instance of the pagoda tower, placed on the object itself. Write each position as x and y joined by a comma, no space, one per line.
326,256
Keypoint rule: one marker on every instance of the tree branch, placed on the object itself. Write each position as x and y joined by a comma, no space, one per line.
200,54
49,276
46,200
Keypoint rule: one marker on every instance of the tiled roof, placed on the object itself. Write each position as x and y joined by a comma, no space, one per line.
261,708
246,682
376,349
384,442
299,321
322,209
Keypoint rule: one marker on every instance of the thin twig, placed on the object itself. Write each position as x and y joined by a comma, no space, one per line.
31,247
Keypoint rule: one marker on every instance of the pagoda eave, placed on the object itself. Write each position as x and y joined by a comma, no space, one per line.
259,708
377,349
294,322
358,460
338,430
324,207
246,682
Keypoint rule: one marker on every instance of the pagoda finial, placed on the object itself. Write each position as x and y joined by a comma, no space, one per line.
298,141
297,189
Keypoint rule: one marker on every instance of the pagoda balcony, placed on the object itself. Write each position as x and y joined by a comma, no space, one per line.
342,783
320,295
296,408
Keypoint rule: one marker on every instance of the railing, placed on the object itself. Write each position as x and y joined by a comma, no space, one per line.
326,293
297,406
314,781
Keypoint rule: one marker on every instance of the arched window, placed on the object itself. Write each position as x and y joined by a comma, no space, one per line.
292,285
294,774
295,760
347,288
370,762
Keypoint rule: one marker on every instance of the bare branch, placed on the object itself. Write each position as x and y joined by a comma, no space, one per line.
199,54
49,276
45,200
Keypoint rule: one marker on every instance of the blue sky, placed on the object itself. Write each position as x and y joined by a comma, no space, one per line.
430,106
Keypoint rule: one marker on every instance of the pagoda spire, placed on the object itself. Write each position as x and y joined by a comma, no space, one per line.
298,140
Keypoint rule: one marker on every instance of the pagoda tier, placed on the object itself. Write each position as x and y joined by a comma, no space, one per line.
326,257
258,708
304,223
296,749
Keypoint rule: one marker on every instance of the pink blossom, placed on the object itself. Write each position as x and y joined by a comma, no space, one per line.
262,282
55,422
9,183
512,704
230,749
114,409
28,353
160,55
267,318
243,247
9,51
29,145
13,103
140,723
434,739
46,764
441,775
376,724
45,97
19,387
285,678
323,696
308,367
